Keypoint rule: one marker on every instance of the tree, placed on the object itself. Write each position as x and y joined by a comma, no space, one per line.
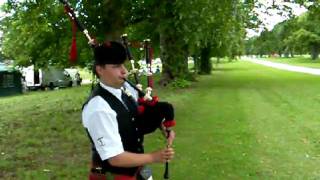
41,33
303,39
177,29
36,41
295,35
215,29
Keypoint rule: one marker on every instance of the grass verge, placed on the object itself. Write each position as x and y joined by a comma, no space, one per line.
245,121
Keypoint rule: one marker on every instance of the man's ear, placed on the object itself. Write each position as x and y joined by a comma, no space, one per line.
98,69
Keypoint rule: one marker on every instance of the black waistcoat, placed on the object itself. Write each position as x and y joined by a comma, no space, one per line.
131,138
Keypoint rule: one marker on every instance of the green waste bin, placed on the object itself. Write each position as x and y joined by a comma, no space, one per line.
10,83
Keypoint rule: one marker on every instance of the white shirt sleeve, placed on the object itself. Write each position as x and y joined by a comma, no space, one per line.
101,123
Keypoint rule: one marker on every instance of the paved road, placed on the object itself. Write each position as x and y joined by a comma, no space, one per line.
307,70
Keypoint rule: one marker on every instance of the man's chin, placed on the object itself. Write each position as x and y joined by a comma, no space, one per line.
121,82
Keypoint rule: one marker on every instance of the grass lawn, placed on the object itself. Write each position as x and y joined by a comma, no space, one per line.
245,121
297,61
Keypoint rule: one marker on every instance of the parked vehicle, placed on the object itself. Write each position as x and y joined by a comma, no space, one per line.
50,77
75,76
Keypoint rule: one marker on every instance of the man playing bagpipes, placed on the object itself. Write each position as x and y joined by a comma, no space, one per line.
113,123
116,120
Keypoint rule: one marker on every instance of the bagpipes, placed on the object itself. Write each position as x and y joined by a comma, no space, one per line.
152,113
150,109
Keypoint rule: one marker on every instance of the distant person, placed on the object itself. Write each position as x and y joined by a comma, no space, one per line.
109,117
23,83
78,79
158,69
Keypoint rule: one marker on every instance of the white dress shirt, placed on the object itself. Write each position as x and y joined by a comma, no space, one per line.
100,121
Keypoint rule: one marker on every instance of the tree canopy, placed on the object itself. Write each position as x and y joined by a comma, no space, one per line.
298,35
38,32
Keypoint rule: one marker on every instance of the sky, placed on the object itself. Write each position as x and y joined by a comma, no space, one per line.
273,18
1,2
1,13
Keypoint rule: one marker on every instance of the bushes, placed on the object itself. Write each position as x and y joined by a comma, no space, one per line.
180,83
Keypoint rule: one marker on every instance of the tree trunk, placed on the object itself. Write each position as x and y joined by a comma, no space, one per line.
314,52
292,54
173,50
205,63
173,56
196,63
286,54
218,60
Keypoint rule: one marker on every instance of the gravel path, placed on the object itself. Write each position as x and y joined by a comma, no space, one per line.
307,70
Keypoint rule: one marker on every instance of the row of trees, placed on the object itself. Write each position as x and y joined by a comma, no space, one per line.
300,35
37,31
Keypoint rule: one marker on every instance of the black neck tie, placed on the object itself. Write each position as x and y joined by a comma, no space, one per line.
125,99
128,102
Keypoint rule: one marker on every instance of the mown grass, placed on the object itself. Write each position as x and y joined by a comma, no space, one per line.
305,61
244,121
41,135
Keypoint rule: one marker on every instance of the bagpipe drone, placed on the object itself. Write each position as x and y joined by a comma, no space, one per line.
152,113
150,109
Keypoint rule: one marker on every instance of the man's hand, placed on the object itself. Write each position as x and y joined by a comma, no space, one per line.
169,134
164,155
